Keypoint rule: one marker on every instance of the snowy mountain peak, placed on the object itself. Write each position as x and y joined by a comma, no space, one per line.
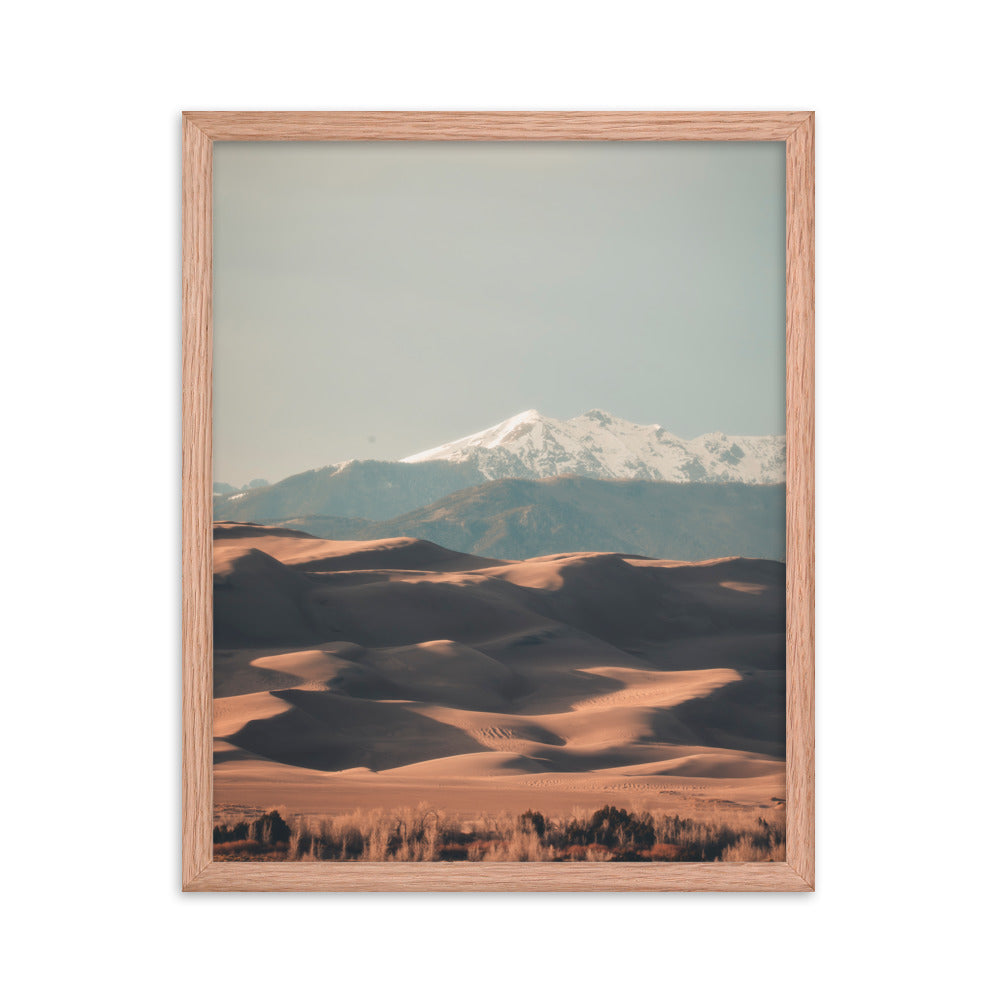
525,418
598,445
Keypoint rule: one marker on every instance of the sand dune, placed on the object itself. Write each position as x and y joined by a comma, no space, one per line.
296,548
393,671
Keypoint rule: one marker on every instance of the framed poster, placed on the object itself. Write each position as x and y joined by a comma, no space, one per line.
498,501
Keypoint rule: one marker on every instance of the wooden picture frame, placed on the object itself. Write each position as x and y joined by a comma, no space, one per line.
200,130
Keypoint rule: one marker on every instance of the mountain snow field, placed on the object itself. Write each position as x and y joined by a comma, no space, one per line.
598,445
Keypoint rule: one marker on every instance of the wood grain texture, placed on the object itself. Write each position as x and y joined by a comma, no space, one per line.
651,126
200,130
196,500
444,876
800,492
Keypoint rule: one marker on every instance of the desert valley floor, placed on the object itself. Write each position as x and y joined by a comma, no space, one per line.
382,674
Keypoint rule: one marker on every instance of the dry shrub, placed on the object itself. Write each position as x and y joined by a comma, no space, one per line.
419,834
249,850
746,849
664,852
519,845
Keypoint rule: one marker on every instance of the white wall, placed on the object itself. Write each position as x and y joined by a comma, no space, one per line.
907,540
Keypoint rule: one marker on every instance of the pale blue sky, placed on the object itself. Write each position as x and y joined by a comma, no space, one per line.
376,299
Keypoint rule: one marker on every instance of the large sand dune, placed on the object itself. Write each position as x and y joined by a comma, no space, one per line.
384,673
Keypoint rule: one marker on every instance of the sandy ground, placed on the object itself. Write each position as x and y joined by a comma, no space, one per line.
388,673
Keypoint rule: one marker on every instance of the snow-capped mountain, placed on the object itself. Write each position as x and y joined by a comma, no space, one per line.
599,446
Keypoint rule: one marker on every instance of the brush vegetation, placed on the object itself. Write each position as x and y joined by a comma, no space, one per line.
427,834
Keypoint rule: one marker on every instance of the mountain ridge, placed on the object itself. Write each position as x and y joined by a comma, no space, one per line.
523,519
598,445
519,489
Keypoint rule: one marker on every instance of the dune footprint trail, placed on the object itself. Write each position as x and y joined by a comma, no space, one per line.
362,674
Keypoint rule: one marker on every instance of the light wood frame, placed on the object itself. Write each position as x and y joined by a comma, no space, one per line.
200,129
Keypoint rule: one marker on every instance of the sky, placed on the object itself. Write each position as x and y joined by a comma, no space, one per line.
373,300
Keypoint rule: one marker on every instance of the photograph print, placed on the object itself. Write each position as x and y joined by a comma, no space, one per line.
499,502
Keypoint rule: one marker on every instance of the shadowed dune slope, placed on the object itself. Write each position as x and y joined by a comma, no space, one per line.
416,663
